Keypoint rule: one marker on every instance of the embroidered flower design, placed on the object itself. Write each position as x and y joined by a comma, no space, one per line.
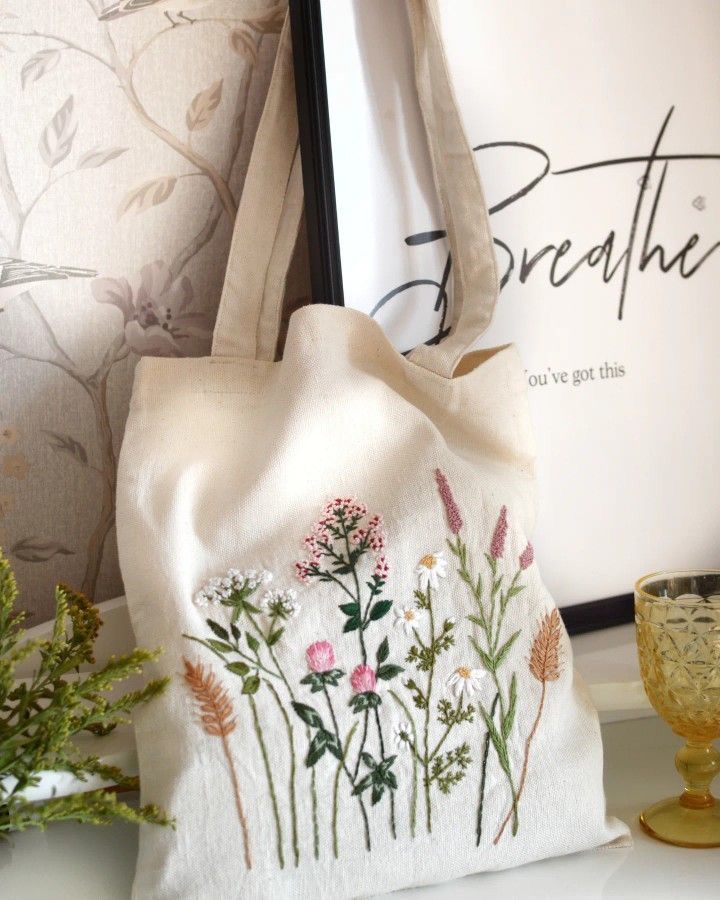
363,679
527,557
222,587
402,736
431,567
451,508
408,618
320,657
497,545
382,569
281,604
465,680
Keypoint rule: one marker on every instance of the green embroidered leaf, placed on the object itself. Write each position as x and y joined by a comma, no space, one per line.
389,671
333,745
377,791
251,685
352,624
350,609
363,784
477,621
386,764
317,748
509,718
505,649
220,646
237,668
383,651
332,676
236,633
315,680
498,742
367,700
487,661
367,758
380,609
309,715
390,780
274,637
218,630
422,600
253,642
249,607
343,569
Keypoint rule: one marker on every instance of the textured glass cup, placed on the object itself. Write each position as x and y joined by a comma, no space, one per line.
677,617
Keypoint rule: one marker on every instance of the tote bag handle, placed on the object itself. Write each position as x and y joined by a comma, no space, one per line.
271,206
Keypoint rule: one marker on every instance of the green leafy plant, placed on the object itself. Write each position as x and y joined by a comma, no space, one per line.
40,715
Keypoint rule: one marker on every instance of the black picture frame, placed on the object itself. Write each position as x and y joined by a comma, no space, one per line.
324,239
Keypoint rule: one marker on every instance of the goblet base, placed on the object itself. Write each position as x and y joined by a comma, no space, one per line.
676,824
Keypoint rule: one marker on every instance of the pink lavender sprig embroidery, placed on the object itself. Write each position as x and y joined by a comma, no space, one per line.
493,645
452,511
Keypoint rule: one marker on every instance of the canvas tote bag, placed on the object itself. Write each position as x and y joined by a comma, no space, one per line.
370,688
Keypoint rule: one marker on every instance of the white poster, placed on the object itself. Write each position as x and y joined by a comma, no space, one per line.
597,128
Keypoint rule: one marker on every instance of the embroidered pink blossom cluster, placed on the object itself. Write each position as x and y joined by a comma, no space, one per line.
363,679
341,519
451,508
497,545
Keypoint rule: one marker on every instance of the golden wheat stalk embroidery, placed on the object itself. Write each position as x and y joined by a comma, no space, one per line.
217,716
545,666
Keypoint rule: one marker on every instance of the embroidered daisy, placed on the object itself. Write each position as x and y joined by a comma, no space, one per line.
430,568
408,617
465,680
402,736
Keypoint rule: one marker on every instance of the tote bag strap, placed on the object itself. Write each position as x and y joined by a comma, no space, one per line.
475,280
271,207
266,226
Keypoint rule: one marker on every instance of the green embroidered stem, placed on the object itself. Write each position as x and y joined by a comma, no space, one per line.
255,663
314,803
336,785
362,747
447,731
426,730
352,778
353,567
313,790
414,755
293,802
271,782
483,775
382,757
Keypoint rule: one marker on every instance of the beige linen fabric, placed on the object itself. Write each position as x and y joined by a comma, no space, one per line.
397,706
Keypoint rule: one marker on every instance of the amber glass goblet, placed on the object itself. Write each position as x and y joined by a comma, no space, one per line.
677,616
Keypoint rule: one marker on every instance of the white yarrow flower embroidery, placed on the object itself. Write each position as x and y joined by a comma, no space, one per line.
408,617
281,603
431,567
465,680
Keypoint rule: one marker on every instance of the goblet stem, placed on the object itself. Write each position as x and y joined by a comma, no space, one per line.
698,762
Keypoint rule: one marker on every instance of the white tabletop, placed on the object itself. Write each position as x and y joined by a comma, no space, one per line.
72,862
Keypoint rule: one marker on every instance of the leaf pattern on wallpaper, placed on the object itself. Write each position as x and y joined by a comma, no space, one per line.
242,43
58,135
63,443
35,549
201,110
93,159
151,193
115,81
39,64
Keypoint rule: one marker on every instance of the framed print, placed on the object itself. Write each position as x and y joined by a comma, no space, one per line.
597,136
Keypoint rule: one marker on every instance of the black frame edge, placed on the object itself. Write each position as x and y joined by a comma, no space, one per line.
316,151
599,614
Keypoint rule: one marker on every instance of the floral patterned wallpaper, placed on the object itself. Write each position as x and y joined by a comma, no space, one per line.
125,132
